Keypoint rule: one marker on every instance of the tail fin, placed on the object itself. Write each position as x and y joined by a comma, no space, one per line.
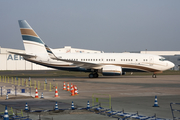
32,42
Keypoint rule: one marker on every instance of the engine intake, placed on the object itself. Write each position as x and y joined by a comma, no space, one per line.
111,70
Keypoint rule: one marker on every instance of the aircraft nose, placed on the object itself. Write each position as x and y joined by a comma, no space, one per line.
171,65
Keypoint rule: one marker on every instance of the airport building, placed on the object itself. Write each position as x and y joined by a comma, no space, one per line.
15,62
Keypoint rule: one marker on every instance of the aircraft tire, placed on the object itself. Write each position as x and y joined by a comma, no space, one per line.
95,75
154,76
91,76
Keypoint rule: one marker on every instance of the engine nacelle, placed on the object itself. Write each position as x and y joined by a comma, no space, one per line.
111,70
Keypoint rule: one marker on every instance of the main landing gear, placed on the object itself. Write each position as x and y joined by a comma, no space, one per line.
93,75
154,76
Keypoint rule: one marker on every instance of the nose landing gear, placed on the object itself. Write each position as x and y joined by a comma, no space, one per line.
154,76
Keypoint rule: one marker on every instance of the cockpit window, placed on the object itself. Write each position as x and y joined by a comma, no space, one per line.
162,59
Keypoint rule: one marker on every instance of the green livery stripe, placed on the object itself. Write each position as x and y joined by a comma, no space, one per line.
31,38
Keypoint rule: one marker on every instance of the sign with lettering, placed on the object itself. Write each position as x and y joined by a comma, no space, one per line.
14,57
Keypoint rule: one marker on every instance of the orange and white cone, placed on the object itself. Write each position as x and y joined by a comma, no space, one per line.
68,87
56,92
75,90
71,87
72,91
64,88
36,95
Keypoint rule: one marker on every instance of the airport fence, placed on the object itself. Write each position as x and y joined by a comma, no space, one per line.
14,114
24,85
103,99
175,109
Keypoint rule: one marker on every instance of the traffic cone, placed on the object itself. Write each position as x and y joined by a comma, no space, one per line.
72,106
42,97
75,90
155,102
68,87
36,95
64,88
72,91
88,105
56,92
6,116
71,87
56,106
26,107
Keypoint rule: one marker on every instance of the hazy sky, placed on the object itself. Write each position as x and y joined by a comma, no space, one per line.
105,25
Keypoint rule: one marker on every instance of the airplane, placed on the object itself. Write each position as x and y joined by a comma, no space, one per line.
107,64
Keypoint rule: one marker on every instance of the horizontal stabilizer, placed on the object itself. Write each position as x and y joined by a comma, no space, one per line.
23,54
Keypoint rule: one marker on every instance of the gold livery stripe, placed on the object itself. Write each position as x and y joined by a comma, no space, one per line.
121,65
28,32
139,67
136,67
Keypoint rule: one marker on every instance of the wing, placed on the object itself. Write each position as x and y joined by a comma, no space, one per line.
82,64
23,54
76,63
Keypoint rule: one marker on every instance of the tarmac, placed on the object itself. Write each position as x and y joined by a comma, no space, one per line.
128,93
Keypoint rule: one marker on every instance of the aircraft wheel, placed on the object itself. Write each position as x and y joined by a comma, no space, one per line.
154,75
91,75
96,75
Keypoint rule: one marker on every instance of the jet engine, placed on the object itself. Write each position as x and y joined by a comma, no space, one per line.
111,70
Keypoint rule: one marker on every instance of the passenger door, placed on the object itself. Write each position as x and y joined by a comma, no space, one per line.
151,60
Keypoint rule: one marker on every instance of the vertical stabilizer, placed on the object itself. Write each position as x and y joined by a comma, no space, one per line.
32,42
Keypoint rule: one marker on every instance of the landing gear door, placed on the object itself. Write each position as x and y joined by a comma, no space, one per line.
151,60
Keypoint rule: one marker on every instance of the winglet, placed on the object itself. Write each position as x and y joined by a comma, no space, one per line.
50,53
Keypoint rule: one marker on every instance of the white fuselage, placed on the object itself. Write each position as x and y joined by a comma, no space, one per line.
128,61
